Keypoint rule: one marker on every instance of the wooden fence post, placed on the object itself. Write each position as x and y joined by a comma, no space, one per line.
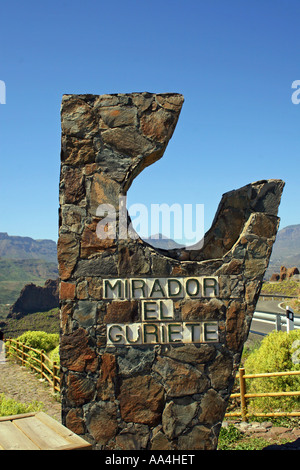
42,363
53,376
243,393
22,355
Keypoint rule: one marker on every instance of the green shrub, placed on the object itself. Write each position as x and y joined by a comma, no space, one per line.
277,353
228,437
9,406
40,340
54,355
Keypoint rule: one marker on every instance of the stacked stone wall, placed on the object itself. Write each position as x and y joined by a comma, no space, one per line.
151,340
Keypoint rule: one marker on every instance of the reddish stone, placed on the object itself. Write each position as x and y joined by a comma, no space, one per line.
212,408
102,422
80,390
292,272
180,379
123,311
74,185
158,125
67,254
141,400
75,353
103,191
91,243
198,310
74,421
106,381
65,315
67,290
235,326
77,151
95,287
264,225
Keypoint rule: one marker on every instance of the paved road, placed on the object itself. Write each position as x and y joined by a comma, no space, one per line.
271,306
268,306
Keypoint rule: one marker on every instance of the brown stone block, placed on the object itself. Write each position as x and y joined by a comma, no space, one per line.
78,118
95,287
254,268
170,101
67,291
80,389
235,325
235,266
220,371
198,310
117,116
177,417
82,290
75,352
65,317
199,438
141,400
77,151
103,191
121,311
92,244
180,379
106,381
74,187
67,254
127,140
74,421
102,422
191,354
158,125
263,225
212,408
160,442
133,437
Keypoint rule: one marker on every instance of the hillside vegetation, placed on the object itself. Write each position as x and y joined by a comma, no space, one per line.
40,321
287,287
24,260
15,274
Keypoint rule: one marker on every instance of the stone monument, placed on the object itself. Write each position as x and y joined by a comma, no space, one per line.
151,340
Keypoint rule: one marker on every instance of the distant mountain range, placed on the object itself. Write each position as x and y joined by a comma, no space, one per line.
24,260
286,249
14,247
162,242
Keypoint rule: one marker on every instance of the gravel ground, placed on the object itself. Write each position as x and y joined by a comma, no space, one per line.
24,386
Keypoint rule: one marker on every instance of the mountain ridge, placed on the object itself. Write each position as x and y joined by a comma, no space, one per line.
17,247
24,260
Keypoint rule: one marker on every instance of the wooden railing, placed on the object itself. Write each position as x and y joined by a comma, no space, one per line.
243,395
49,370
39,362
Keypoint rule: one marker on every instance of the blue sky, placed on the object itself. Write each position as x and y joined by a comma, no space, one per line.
233,60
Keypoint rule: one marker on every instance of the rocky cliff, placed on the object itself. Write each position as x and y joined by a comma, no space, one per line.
35,299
